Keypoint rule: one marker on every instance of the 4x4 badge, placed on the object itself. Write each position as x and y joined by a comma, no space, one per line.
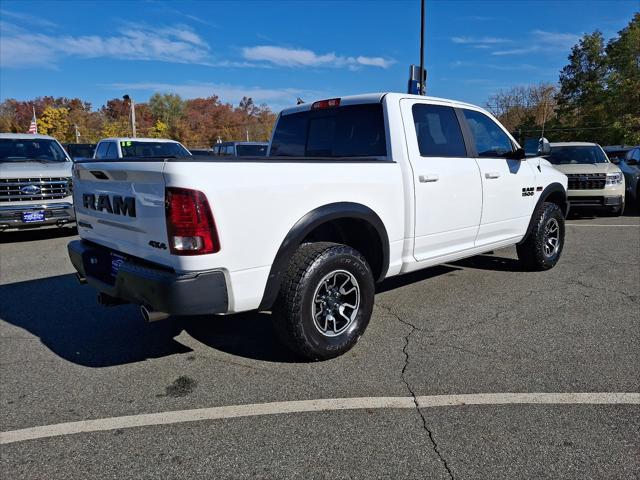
160,245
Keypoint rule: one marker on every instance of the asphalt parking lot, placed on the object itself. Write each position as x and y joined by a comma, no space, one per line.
478,326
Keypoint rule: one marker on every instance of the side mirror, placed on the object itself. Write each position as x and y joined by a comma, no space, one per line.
518,154
544,147
615,160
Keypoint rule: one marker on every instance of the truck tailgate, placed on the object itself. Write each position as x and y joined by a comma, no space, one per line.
121,205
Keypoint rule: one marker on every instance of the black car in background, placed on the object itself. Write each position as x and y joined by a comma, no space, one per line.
241,149
79,150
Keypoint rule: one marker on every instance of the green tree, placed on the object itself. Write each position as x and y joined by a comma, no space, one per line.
168,108
582,97
623,83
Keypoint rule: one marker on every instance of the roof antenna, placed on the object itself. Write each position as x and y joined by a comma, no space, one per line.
299,101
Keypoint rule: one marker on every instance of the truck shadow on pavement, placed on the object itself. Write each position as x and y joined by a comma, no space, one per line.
67,319
17,236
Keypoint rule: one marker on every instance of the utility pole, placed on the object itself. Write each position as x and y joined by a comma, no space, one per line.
246,129
132,107
422,79
75,126
417,74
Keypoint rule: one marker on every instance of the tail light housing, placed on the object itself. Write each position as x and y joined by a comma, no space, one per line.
190,226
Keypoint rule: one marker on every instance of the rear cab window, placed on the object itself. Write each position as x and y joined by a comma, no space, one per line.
131,148
337,132
101,151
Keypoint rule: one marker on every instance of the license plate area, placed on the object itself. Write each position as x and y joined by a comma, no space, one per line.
103,265
33,216
116,262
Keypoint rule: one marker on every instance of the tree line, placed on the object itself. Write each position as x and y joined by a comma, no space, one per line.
198,122
597,98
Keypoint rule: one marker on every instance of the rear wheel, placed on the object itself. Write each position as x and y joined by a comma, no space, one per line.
325,301
542,247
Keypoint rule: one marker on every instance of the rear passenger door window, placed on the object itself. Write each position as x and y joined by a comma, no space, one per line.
490,140
438,131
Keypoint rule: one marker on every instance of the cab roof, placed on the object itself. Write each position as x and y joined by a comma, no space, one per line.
139,139
573,144
375,98
26,136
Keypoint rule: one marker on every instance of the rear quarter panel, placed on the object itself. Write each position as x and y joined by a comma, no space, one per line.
255,205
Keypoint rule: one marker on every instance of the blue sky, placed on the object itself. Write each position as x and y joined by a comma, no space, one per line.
276,51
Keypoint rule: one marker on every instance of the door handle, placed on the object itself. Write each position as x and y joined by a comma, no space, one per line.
428,178
492,175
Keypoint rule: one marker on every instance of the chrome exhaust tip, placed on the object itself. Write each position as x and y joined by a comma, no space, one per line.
81,280
151,315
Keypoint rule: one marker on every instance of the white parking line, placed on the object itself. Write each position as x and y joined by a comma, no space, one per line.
599,225
275,408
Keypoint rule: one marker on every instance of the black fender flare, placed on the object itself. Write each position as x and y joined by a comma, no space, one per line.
306,225
549,189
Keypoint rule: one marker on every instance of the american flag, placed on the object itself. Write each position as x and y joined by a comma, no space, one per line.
33,128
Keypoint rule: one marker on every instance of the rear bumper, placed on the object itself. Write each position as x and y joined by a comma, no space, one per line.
145,284
59,213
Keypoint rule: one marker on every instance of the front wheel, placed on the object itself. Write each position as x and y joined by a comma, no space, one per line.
325,301
542,247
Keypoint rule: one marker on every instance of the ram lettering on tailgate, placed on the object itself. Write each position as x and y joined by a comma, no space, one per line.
119,205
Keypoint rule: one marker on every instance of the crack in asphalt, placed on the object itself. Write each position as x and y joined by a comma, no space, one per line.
410,389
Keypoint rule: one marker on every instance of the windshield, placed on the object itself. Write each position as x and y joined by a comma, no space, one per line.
251,150
24,150
153,149
577,154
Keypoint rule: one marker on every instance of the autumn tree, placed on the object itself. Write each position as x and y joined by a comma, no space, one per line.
55,122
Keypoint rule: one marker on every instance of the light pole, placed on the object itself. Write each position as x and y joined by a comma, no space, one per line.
422,79
132,107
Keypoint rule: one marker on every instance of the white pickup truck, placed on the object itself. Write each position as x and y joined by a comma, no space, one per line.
354,190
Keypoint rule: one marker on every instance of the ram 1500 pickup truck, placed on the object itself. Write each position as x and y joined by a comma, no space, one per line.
354,190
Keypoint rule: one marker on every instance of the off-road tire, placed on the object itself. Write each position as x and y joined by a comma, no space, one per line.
531,251
292,312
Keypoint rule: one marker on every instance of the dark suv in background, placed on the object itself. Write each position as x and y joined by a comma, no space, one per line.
241,149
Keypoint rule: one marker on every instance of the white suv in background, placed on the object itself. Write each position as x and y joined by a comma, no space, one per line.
593,180
125,147
35,182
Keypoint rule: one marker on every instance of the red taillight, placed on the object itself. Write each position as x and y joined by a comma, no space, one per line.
190,224
332,102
